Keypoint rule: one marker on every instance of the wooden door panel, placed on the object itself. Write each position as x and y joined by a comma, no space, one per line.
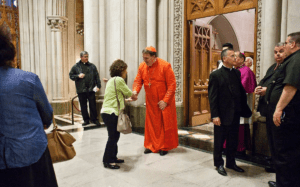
199,74
201,8
204,8
236,5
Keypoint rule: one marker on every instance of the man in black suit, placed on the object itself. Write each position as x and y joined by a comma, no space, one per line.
228,102
279,56
283,98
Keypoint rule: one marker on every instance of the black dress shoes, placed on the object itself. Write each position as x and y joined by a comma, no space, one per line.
110,166
272,184
96,123
221,170
147,151
119,161
85,123
162,153
270,169
235,168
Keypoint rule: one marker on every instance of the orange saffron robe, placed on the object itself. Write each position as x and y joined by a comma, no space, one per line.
159,81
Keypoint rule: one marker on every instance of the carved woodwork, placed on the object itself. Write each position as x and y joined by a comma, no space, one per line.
216,55
202,8
236,5
199,70
9,16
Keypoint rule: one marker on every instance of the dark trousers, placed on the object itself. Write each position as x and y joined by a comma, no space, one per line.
269,124
83,98
286,144
111,149
231,134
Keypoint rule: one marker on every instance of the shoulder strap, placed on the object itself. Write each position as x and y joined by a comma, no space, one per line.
118,97
117,94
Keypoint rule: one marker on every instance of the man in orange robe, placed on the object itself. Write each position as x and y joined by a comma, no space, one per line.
161,134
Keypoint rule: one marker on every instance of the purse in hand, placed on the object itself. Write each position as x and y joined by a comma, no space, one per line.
60,144
124,124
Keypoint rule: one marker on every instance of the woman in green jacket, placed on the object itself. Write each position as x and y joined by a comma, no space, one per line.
110,112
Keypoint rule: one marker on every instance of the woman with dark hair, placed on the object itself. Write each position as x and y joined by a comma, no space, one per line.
24,113
109,111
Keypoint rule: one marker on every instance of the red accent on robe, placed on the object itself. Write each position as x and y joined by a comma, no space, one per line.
161,131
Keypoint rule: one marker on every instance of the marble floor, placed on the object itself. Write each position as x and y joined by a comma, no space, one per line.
181,167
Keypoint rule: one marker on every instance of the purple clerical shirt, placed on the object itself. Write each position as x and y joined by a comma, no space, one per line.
247,78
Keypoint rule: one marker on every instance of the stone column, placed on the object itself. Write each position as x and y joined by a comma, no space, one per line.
57,23
71,44
102,44
151,23
91,30
271,33
284,20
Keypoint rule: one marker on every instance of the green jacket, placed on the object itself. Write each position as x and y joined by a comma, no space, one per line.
110,104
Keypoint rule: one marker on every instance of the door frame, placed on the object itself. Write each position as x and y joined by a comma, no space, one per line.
220,8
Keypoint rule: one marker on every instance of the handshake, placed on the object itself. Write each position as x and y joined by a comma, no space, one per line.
133,97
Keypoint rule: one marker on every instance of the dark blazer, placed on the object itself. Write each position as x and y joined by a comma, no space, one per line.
80,84
262,104
221,99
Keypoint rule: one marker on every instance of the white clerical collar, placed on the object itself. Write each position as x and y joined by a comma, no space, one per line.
227,67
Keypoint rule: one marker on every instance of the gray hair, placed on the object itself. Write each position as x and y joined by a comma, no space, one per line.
295,37
279,44
251,59
83,53
224,53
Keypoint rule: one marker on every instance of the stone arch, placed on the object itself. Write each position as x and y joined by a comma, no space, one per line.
226,32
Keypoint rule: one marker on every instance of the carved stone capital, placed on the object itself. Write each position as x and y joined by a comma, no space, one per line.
57,23
80,28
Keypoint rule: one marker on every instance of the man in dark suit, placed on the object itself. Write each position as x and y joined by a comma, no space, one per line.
228,102
87,82
283,98
279,56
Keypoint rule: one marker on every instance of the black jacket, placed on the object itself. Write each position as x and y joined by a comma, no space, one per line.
262,104
80,83
221,98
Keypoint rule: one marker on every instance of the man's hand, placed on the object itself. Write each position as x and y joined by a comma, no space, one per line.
105,80
45,127
162,105
217,121
97,89
277,117
81,75
260,90
257,90
134,97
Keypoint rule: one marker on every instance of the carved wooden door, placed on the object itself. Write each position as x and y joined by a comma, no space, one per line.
200,68
216,56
